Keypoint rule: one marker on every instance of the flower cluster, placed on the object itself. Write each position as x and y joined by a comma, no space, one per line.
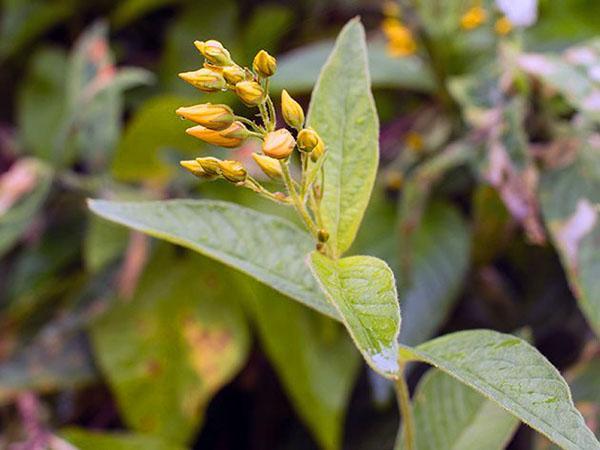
217,124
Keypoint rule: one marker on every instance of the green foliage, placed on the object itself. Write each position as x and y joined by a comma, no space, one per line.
343,112
89,440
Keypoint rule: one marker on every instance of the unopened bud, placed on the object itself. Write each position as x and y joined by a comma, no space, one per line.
233,171
270,166
278,144
264,64
292,111
206,80
234,74
196,169
323,235
318,151
210,165
221,138
214,52
250,92
214,117
308,139
237,130
473,18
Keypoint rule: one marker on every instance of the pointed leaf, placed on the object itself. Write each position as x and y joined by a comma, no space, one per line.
342,111
267,248
94,440
363,290
452,416
512,373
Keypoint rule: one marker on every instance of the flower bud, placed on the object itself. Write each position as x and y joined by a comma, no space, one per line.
323,235
268,165
220,138
206,80
250,92
308,139
318,151
214,117
264,64
278,144
503,26
237,130
234,74
473,18
196,169
210,165
233,171
214,52
292,111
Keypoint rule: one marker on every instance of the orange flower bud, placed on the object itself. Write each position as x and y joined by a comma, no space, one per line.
250,92
278,144
206,80
215,117
234,74
221,138
214,52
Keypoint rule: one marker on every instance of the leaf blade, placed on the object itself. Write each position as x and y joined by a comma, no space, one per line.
342,111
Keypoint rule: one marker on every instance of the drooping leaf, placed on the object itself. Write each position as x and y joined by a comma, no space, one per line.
342,111
439,262
95,440
267,248
363,290
167,351
298,70
570,195
452,416
513,374
154,127
314,358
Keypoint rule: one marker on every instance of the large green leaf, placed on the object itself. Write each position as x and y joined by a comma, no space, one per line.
439,255
93,440
167,351
512,373
570,196
314,358
452,416
342,110
267,248
363,290
298,70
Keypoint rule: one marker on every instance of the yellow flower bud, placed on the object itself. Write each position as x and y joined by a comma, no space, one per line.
214,52
473,18
206,80
234,74
233,171
400,39
264,64
250,92
503,26
221,138
214,117
237,130
318,151
278,144
270,166
196,169
292,111
210,165
308,139
323,235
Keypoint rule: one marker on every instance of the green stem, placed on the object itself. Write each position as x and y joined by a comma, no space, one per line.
299,205
405,406
251,123
255,186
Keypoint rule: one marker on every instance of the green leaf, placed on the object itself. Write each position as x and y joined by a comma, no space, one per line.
268,248
168,350
298,70
570,195
129,11
153,128
14,222
103,243
452,416
363,290
314,358
440,250
342,111
265,28
93,440
512,373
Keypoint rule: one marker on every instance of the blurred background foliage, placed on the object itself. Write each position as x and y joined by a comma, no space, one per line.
486,207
